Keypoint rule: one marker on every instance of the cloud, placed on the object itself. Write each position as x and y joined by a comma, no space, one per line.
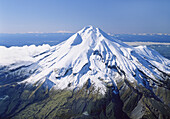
53,32
64,32
36,32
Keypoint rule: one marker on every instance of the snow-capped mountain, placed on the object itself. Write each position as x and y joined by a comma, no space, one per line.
90,75
89,55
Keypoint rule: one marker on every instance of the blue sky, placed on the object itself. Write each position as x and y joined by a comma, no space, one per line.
113,16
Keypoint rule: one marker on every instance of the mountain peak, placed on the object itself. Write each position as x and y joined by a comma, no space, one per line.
87,29
93,34
92,61
92,55
89,26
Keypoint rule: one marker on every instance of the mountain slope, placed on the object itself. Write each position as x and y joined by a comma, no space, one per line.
93,62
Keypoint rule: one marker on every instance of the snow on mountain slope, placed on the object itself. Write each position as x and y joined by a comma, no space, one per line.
89,55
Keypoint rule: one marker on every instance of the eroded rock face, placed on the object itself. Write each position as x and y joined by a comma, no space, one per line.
39,102
59,72
30,102
140,102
